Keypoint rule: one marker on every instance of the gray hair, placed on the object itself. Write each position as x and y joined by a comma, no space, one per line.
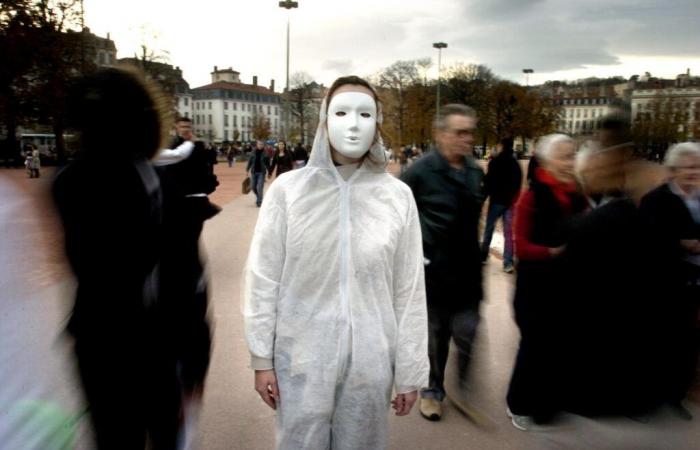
440,122
678,151
547,144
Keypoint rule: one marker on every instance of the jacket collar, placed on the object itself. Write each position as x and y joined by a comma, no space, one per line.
439,163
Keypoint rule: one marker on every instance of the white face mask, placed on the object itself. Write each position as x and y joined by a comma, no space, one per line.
352,123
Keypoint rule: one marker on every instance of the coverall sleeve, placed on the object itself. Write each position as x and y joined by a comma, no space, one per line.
262,279
411,365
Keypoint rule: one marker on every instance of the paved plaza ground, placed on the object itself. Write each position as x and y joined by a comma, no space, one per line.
35,363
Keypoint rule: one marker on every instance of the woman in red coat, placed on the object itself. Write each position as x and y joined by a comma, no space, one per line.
542,218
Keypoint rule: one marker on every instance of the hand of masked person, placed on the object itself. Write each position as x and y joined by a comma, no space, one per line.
403,403
266,386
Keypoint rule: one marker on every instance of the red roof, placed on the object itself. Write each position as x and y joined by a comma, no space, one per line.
227,85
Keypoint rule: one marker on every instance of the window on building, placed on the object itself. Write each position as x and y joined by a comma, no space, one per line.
277,113
260,108
209,105
209,119
235,121
250,121
235,106
275,124
225,105
578,113
225,120
187,101
585,113
225,135
268,109
187,114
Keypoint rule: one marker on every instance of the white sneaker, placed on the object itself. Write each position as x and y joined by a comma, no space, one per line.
522,423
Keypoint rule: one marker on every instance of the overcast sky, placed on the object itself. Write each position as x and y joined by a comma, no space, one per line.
558,39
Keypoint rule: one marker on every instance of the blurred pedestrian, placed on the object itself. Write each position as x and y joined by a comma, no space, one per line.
447,186
110,203
231,155
542,229
301,156
258,166
283,161
502,186
613,354
187,180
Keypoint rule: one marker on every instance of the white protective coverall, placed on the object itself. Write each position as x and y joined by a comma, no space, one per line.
334,299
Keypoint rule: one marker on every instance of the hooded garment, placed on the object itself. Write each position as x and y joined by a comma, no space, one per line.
334,299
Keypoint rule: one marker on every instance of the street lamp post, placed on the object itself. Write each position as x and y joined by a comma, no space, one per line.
288,5
439,46
527,73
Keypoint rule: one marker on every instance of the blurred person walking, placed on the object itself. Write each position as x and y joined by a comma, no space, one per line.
283,161
186,172
447,186
502,186
110,203
301,156
613,354
542,229
258,166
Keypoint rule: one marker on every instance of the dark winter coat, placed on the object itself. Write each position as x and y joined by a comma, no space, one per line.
503,179
449,206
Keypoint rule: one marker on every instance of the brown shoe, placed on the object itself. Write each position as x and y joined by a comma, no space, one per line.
431,409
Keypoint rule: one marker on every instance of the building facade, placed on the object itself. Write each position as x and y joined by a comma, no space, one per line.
579,114
228,110
677,104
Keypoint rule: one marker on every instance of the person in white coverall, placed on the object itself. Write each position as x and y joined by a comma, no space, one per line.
334,296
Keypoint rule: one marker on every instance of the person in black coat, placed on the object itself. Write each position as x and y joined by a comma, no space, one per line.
187,181
542,229
109,200
611,360
673,211
502,185
301,156
447,186
283,161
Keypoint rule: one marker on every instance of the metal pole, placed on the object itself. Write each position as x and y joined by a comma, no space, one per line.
437,107
439,46
287,109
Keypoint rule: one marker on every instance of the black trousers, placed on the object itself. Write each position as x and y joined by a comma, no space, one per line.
133,394
446,323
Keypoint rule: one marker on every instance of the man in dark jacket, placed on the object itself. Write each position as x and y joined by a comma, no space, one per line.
612,360
187,180
258,166
447,186
502,186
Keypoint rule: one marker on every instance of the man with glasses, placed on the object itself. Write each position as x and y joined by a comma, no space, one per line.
447,186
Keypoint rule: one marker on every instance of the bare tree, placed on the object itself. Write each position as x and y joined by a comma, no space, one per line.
300,97
261,127
395,82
